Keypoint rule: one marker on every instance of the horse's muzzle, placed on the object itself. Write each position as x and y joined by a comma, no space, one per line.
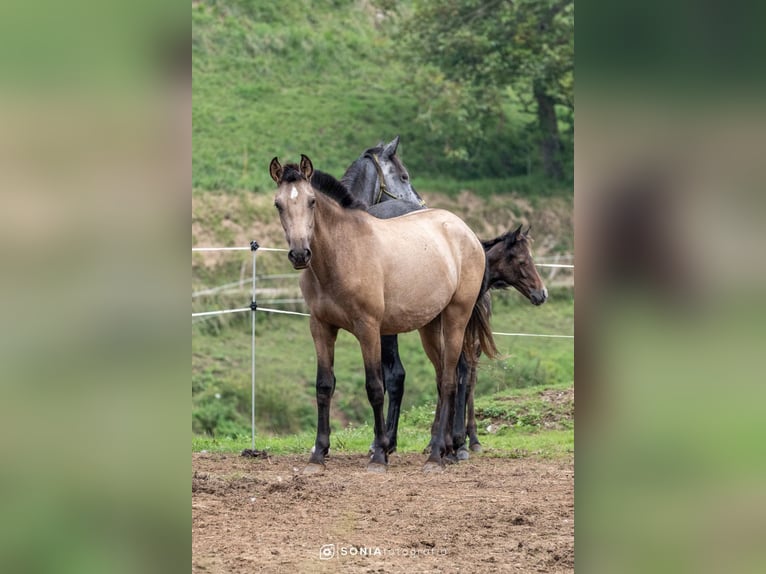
299,258
538,296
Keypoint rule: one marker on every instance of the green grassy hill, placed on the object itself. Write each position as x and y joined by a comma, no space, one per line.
328,78
288,78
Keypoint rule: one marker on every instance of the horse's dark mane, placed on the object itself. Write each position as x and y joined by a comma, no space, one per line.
505,236
355,169
331,187
323,182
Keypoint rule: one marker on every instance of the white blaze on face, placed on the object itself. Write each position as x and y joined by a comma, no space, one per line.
294,193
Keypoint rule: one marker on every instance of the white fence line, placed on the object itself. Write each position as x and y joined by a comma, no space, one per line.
254,247
534,335
224,312
248,248
267,310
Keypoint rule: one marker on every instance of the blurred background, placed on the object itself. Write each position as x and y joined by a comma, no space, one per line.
95,173
669,208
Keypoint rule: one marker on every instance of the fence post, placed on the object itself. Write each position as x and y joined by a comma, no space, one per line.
253,306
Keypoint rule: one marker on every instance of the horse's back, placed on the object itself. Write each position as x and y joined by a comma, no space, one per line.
434,226
432,259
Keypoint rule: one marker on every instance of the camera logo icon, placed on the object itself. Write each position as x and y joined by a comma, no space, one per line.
327,552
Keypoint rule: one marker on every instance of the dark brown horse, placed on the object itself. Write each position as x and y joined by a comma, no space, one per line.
510,264
376,277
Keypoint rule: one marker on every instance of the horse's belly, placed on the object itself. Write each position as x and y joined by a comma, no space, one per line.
401,319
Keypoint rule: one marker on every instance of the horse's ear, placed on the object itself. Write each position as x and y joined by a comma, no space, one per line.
513,236
307,168
275,170
390,148
526,233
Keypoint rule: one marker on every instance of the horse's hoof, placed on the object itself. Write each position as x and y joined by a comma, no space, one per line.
450,459
476,447
432,466
376,467
462,453
313,468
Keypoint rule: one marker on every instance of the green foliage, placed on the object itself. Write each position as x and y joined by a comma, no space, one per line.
530,410
286,368
330,79
486,61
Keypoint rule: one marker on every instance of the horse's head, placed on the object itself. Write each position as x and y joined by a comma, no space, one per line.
379,175
510,264
295,200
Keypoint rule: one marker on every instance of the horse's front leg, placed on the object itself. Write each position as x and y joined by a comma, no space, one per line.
393,375
324,342
368,335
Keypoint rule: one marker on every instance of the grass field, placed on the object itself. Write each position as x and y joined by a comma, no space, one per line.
285,371
516,423
327,79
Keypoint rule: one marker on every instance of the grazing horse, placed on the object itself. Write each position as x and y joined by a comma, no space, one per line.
370,277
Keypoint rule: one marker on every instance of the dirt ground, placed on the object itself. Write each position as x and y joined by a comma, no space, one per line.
483,515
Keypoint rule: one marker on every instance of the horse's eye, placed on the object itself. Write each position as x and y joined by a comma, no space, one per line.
312,202
279,207
405,177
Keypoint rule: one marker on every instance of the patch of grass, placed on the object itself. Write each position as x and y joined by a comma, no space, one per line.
532,186
529,409
330,78
414,433
548,444
286,368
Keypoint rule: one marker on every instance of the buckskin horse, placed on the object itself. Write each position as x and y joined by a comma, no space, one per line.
427,272
379,178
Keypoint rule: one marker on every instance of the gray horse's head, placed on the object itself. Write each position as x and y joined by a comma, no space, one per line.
379,175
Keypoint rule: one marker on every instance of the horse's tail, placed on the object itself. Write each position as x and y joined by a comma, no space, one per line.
478,333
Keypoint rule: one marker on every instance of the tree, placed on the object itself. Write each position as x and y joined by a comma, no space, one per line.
523,45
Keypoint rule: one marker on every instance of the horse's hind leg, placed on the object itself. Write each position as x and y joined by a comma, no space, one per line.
324,342
454,321
459,426
431,338
393,375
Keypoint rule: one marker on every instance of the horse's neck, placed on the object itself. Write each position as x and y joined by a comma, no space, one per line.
362,186
333,226
493,255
